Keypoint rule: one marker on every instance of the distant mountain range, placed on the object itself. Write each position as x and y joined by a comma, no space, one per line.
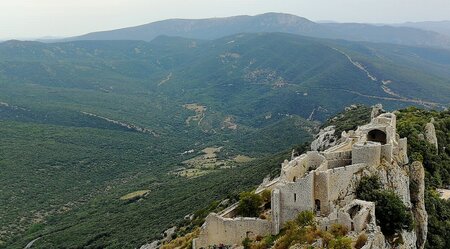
442,27
214,28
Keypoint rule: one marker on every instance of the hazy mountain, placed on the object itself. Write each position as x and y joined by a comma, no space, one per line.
388,34
213,28
442,27
272,22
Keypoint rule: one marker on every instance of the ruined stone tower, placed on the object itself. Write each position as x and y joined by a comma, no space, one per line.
325,183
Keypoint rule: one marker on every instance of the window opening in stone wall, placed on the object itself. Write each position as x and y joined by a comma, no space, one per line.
295,197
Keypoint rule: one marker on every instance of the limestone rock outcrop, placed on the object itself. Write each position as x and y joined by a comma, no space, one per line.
417,189
430,135
153,245
324,139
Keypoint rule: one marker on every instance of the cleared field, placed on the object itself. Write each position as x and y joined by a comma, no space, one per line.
135,195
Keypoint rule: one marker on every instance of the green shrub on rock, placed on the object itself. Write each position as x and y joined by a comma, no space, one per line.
392,214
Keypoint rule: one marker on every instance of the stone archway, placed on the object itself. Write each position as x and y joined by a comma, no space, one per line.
377,136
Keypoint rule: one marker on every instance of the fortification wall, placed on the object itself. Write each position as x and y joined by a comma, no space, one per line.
387,152
390,118
367,152
356,216
321,195
218,230
338,159
296,197
342,183
295,169
276,211
314,159
391,135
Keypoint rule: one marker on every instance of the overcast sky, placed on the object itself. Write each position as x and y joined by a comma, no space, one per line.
38,18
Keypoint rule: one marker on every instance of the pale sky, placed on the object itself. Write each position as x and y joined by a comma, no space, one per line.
39,18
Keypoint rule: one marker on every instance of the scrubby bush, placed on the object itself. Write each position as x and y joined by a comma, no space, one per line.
266,195
361,241
246,243
249,204
305,218
339,230
303,231
326,237
340,243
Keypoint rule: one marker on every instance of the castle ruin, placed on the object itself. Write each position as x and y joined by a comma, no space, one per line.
325,182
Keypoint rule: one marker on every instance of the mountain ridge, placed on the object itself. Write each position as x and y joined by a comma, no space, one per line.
442,27
214,28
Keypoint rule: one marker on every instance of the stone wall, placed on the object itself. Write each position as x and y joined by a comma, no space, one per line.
218,230
386,152
296,197
276,211
321,195
295,169
338,159
314,159
342,183
356,216
366,152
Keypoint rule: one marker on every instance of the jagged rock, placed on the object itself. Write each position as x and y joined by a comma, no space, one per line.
153,245
325,139
430,135
169,233
167,237
189,217
417,189
349,108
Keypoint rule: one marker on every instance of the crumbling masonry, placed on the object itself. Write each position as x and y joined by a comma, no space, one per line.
325,183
